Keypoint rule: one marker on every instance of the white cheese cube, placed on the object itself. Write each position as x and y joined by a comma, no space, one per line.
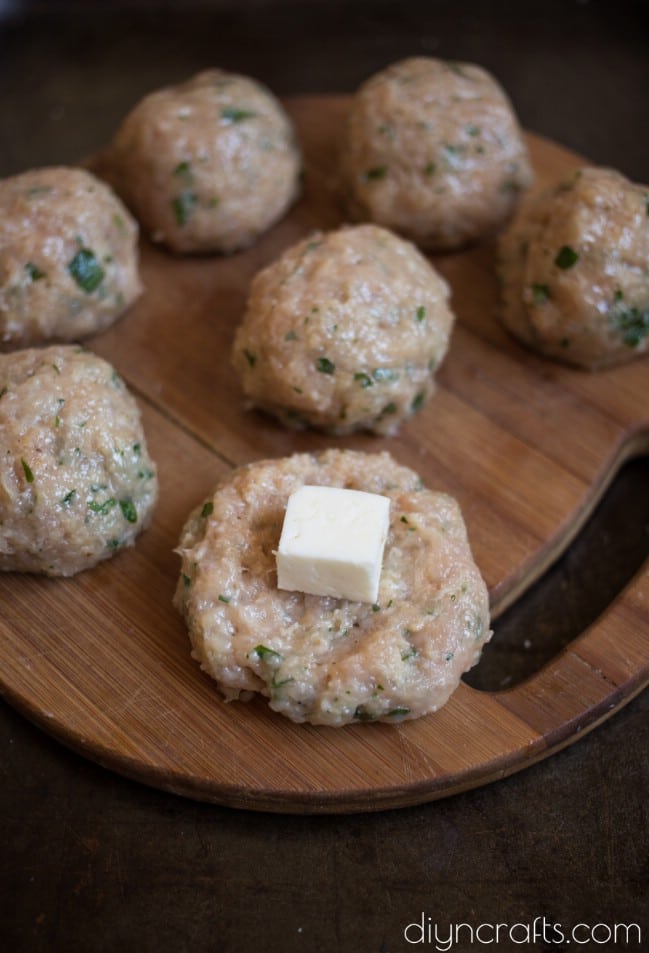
332,542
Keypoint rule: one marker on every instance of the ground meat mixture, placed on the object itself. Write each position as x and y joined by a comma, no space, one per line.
320,659
344,332
76,480
208,165
575,270
433,150
68,257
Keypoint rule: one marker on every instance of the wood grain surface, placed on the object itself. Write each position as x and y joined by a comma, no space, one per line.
102,662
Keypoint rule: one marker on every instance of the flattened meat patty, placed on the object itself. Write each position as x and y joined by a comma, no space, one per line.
207,165
344,332
433,150
319,659
76,480
574,267
68,257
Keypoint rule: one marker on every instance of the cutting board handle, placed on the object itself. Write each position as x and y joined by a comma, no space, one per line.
598,672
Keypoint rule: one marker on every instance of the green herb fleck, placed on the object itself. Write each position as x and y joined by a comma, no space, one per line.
325,366
102,509
398,712
540,293
34,272
458,68
183,170
420,313
454,154
363,379
223,598
183,206
566,257
67,499
375,173
385,374
250,356
37,191
235,114
128,510
27,470
362,713
208,509
267,655
277,683
629,321
418,401
429,168
86,270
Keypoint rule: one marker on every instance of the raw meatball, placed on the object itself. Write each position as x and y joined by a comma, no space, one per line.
68,257
344,332
575,270
76,480
207,165
433,150
316,658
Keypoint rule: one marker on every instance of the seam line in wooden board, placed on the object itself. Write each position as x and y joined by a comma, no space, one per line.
179,422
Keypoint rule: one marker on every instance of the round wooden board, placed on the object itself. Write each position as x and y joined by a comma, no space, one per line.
102,662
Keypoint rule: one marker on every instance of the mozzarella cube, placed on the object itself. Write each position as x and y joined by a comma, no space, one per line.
332,542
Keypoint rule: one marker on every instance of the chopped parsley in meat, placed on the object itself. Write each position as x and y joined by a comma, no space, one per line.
86,270
566,257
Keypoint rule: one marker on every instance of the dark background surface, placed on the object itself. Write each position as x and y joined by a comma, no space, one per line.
93,862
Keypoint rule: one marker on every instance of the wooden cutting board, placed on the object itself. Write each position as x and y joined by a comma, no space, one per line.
102,662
